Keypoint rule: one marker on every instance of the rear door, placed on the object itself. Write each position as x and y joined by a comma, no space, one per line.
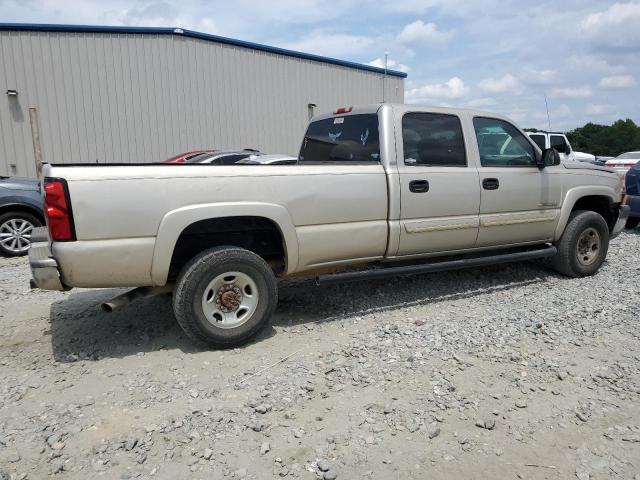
439,189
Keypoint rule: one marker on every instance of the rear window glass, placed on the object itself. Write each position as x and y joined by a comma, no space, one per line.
538,140
433,139
352,138
199,158
558,141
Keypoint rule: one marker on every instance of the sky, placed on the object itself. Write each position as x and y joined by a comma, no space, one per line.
495,55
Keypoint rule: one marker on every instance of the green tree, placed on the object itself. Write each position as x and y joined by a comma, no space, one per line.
611,140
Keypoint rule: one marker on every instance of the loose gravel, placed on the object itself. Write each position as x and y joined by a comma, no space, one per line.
502,372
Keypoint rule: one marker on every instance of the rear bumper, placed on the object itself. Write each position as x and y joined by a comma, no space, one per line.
44,268
623,215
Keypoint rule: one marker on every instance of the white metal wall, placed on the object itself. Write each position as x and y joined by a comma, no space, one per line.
105,97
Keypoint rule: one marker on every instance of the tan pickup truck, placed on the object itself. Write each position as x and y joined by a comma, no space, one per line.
378,190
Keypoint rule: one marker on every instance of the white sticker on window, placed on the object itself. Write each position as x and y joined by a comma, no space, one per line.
338,120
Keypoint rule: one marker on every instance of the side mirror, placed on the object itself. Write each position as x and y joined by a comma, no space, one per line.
550,158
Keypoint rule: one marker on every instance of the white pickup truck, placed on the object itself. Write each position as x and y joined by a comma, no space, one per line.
378,190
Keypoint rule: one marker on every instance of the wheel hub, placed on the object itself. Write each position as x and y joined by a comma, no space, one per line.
229,298
588,248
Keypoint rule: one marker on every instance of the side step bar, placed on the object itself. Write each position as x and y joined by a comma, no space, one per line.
442,266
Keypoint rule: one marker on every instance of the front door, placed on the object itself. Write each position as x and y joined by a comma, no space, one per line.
519,202
440,193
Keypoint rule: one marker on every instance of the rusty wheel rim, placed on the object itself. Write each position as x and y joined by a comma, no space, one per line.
230,300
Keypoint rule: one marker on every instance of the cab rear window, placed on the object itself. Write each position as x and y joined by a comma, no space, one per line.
350,138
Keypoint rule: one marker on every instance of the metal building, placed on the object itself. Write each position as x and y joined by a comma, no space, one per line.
129,94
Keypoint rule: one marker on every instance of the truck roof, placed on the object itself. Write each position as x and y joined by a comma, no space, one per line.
405,107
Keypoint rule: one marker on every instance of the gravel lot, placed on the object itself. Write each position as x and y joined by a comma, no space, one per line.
502,372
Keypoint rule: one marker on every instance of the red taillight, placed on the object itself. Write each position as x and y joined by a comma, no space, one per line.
343,110
58,211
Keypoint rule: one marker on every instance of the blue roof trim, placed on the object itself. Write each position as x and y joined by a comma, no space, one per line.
190,33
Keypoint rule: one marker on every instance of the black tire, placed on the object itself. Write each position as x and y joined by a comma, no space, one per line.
632,223
583,226
21,217
195,278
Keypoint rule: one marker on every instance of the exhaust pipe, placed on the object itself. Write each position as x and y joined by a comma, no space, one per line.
116,303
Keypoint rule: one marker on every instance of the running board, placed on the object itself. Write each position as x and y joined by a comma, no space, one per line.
447,265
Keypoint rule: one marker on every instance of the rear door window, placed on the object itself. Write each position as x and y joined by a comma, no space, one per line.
433,139
558,142
350,138
539,140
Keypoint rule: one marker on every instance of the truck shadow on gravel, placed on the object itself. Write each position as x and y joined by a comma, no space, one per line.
334,302
81,330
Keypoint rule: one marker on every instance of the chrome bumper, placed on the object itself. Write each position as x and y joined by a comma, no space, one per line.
44,268
623,215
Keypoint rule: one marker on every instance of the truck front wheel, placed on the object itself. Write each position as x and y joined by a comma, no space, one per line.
224,296
583,245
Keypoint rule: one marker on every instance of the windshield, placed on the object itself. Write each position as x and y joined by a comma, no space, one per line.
352,138
629,155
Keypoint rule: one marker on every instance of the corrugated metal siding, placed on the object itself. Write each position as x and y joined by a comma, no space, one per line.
105,97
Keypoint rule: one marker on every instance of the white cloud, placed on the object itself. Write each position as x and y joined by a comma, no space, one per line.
337,45
617,26
391,64
617,81
482,102
538,77
561,112
592,63
420,6
452,89
572,92
419,32
505,84
594,109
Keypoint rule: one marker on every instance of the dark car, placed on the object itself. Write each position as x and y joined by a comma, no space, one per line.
224,158
20,212
632,184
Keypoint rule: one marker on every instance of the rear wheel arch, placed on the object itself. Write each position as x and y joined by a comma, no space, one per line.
254,234
207,218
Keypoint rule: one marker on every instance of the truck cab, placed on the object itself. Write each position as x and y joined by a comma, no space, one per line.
557,140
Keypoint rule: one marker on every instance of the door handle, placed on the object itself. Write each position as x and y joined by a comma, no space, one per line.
490,183
419,186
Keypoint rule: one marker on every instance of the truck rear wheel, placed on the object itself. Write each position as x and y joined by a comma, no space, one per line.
583,246
224,296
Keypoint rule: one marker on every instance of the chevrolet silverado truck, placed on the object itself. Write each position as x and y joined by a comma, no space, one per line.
378,190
